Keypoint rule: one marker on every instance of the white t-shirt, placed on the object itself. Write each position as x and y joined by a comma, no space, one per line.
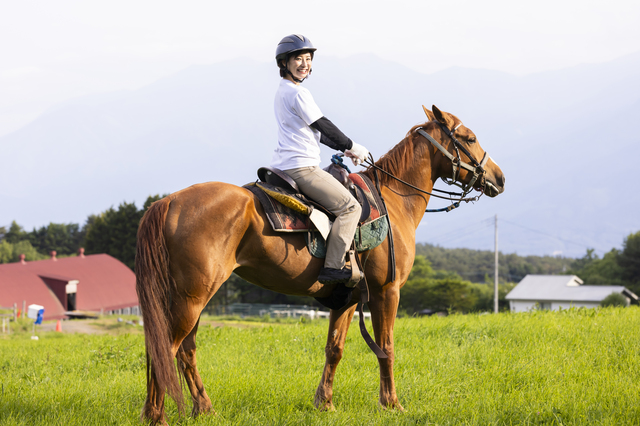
298,144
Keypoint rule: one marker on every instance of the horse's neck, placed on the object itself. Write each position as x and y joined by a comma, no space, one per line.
422,175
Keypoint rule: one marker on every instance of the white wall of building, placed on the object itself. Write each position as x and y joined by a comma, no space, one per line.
521,305
528,305
566,305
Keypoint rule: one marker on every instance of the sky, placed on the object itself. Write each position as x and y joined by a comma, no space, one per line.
55,51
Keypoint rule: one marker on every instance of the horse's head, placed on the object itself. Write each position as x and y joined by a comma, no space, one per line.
475,167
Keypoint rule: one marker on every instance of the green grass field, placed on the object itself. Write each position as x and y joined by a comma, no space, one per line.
570,367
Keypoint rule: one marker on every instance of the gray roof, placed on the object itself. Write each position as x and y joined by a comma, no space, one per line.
562,288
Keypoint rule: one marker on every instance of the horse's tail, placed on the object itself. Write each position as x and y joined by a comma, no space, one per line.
154,286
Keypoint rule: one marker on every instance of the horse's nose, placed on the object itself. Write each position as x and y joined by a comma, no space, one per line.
500,181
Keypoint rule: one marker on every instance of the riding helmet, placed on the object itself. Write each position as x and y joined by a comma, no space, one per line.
293,43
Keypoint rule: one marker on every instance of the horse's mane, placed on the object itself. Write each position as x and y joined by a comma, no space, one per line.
399,159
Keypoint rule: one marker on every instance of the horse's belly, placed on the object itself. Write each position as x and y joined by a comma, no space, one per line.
282,263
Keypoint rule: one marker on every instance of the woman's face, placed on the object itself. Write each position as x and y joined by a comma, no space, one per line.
299,65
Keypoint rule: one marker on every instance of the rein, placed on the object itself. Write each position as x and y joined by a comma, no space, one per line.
477,169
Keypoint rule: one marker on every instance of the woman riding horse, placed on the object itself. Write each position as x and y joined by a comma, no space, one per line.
191,241
301,127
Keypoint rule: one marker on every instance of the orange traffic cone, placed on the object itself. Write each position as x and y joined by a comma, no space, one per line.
59,326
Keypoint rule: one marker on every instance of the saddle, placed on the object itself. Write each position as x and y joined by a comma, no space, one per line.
288,210
280,179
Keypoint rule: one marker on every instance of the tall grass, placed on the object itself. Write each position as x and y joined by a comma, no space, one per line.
569,367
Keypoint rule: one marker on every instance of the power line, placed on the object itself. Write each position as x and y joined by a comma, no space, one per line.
544,233
483,224
464,231
462,234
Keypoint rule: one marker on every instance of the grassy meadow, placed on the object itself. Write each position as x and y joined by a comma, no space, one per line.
574,367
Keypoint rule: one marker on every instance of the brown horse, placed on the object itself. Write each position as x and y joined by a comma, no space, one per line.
191,241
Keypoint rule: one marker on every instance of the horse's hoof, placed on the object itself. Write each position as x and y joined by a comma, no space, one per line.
323,404
151,422
326,406
153,417
197,411
392,406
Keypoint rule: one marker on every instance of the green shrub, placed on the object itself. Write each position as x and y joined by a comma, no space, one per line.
614,299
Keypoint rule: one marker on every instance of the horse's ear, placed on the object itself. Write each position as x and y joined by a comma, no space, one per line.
430,115
443,117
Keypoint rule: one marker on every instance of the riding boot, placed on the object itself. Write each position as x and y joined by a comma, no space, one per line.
335,276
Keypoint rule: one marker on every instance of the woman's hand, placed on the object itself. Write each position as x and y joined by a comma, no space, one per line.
357,153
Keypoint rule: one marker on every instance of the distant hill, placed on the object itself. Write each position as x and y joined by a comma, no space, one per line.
478,265
565,139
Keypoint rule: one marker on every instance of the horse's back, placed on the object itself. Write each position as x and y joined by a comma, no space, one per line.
207,206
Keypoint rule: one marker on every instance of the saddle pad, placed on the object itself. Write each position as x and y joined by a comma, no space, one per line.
281,217
368,236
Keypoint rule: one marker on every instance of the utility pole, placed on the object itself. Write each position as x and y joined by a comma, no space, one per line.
495,272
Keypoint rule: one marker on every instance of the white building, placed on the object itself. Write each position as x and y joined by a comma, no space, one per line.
560,291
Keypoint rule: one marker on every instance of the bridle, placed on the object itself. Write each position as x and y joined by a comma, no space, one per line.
477,168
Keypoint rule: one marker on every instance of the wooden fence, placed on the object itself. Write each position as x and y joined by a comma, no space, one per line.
8,314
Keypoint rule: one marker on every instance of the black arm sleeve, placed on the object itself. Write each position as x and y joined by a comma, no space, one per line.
331,136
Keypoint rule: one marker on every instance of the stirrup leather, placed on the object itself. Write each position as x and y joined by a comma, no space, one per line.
356,274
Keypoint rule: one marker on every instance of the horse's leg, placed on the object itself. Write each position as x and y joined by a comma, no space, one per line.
339,321
384,306
185,314
187,358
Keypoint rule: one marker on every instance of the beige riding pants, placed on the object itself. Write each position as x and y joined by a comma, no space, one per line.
325,190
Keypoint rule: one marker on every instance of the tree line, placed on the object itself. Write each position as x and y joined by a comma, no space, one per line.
459,280
112,232
478,265
616,267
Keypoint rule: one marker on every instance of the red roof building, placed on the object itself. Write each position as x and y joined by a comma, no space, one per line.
96,282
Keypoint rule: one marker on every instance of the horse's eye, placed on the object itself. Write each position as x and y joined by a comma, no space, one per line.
472,140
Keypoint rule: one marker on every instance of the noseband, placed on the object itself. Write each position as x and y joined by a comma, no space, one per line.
477,168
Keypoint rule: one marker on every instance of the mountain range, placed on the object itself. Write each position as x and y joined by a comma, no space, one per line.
566,140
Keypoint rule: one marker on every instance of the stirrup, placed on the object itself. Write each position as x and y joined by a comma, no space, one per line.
356,274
